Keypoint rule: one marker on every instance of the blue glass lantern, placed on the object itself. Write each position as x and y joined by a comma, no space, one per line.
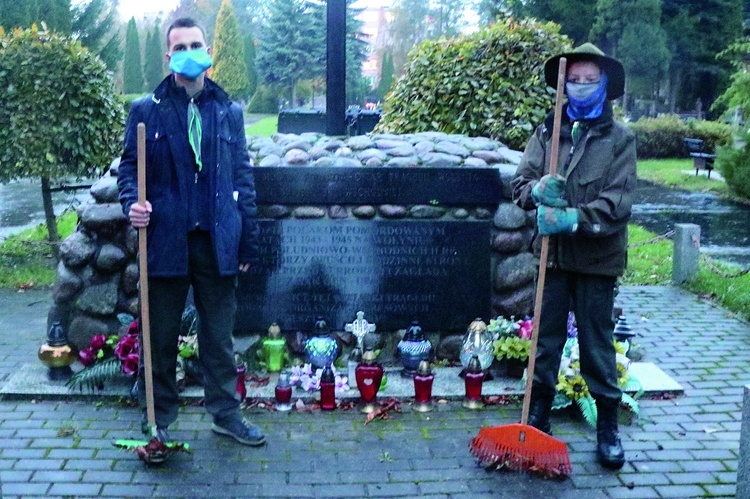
413,349
321,349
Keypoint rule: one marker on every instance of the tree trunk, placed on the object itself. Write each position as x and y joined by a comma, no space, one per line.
49,215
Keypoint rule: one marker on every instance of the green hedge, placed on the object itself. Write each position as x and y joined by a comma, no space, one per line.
734,165
489,83
663,137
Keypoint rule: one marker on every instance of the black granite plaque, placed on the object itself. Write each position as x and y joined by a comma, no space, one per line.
395,271
346,185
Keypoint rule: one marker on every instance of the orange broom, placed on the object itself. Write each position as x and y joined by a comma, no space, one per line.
520,446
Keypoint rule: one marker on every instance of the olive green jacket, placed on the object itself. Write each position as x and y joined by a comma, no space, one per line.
600,180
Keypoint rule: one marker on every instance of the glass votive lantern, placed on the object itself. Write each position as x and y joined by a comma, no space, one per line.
413,349
369,376
477,342
423,380
274,348
473,384
321,349
241,380
283,393
327,389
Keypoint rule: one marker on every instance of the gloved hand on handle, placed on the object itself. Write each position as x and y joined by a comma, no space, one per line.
551,221
550,191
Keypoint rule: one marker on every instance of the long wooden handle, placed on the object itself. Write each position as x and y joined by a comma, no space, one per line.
554,150
143,282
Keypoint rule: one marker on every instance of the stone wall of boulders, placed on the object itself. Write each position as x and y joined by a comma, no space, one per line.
97,277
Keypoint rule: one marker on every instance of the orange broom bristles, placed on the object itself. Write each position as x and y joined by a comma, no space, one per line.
522,448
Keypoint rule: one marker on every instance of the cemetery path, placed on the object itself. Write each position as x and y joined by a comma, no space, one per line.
686,446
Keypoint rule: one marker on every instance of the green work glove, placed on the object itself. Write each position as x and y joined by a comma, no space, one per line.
550,191
556,220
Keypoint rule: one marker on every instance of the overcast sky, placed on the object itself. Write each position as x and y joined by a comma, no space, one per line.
137,8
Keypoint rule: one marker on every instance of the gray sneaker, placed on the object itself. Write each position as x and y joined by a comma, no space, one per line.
240,430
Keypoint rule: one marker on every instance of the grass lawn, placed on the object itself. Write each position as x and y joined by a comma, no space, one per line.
679,173
26,258
264,127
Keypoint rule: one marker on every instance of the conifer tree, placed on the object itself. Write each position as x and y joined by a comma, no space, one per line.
386,75
291,45
230,66
252,72
96,24
131,68
153,64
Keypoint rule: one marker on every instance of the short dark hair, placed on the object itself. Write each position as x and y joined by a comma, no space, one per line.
185,22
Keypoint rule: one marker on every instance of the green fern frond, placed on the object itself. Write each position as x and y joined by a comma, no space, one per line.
93,377
588,409
630,403
561,401
634,386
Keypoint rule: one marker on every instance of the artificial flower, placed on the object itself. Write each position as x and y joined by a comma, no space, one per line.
98,341
87,356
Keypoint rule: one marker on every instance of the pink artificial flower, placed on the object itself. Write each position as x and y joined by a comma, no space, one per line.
133,328
524,331
98,341
87,356
127,346
130,364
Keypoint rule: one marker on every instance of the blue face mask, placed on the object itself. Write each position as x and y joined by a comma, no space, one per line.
190,63
586,100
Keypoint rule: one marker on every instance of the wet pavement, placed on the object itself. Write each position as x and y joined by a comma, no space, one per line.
684,446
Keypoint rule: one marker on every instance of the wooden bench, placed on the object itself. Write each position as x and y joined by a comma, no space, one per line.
701,159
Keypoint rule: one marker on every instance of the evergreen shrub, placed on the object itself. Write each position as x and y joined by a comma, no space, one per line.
489,83
734,165
662,137
264,101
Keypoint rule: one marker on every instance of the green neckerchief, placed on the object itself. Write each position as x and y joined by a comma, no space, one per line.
577,132
195,132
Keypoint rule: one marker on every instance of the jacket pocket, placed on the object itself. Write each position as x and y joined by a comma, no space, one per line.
158,164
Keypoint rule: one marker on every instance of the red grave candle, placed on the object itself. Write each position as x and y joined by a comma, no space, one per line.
327,389
369,376
423,380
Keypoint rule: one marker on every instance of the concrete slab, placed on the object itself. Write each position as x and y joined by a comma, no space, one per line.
31,380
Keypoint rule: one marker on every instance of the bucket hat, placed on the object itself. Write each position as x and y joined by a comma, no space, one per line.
590,52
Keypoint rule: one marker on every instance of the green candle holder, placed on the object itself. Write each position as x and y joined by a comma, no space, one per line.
274,349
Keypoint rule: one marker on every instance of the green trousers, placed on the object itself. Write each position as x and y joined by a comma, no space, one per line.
591,298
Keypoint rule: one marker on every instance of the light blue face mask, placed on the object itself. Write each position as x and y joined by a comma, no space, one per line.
580,91
586,100
190,63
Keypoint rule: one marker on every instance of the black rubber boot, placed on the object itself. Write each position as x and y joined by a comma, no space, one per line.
540,408
608,446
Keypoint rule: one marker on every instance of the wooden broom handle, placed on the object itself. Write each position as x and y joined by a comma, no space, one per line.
554,150
143,282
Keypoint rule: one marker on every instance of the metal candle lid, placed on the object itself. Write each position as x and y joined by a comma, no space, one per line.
274,331
474,365
424,368
368,357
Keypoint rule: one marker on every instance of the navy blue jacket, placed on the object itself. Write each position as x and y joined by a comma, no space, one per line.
169,170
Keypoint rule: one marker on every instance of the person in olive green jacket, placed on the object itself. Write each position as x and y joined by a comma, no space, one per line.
585,208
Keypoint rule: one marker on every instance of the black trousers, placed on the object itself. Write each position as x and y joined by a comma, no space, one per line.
591,297
216,304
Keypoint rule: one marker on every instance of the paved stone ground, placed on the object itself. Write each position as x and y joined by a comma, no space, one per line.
682,447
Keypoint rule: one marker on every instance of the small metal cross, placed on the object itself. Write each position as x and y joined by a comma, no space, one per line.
359,327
